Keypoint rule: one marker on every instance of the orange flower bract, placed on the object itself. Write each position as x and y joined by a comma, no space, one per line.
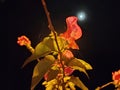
23,40
68,54
116,77
73,32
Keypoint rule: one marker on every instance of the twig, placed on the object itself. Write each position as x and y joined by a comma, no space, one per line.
51,27
31,49
103,86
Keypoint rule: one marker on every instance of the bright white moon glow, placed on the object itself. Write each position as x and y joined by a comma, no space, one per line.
81,16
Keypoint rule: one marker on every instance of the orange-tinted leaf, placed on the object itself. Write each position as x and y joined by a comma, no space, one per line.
40,69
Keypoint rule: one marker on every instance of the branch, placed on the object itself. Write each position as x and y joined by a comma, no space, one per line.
103,86
51,27
31,49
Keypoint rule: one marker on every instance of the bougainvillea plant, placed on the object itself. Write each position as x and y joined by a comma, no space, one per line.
58,62
55,60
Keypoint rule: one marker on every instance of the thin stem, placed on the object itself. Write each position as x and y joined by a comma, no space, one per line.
103,86
31,49
51,27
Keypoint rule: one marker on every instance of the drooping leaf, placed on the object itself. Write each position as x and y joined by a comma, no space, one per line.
40,50
81,70
40,69
78,82
87,65
80,63
76,62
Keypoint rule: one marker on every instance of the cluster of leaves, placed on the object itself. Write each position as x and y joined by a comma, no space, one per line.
58,62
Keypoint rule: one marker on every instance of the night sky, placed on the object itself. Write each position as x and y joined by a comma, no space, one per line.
99,45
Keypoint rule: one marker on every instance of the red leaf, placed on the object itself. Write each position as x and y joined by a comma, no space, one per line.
68,70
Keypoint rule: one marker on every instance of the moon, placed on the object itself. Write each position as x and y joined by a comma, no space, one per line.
81,16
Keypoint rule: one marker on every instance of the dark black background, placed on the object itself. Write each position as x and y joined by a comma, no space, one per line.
99,45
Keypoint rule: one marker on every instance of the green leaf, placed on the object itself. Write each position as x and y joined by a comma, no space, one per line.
40,51
62,43
81,70
76,62
40,69
87,65
49,42
81,63
78,83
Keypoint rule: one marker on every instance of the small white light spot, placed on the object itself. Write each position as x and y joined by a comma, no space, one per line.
81,16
